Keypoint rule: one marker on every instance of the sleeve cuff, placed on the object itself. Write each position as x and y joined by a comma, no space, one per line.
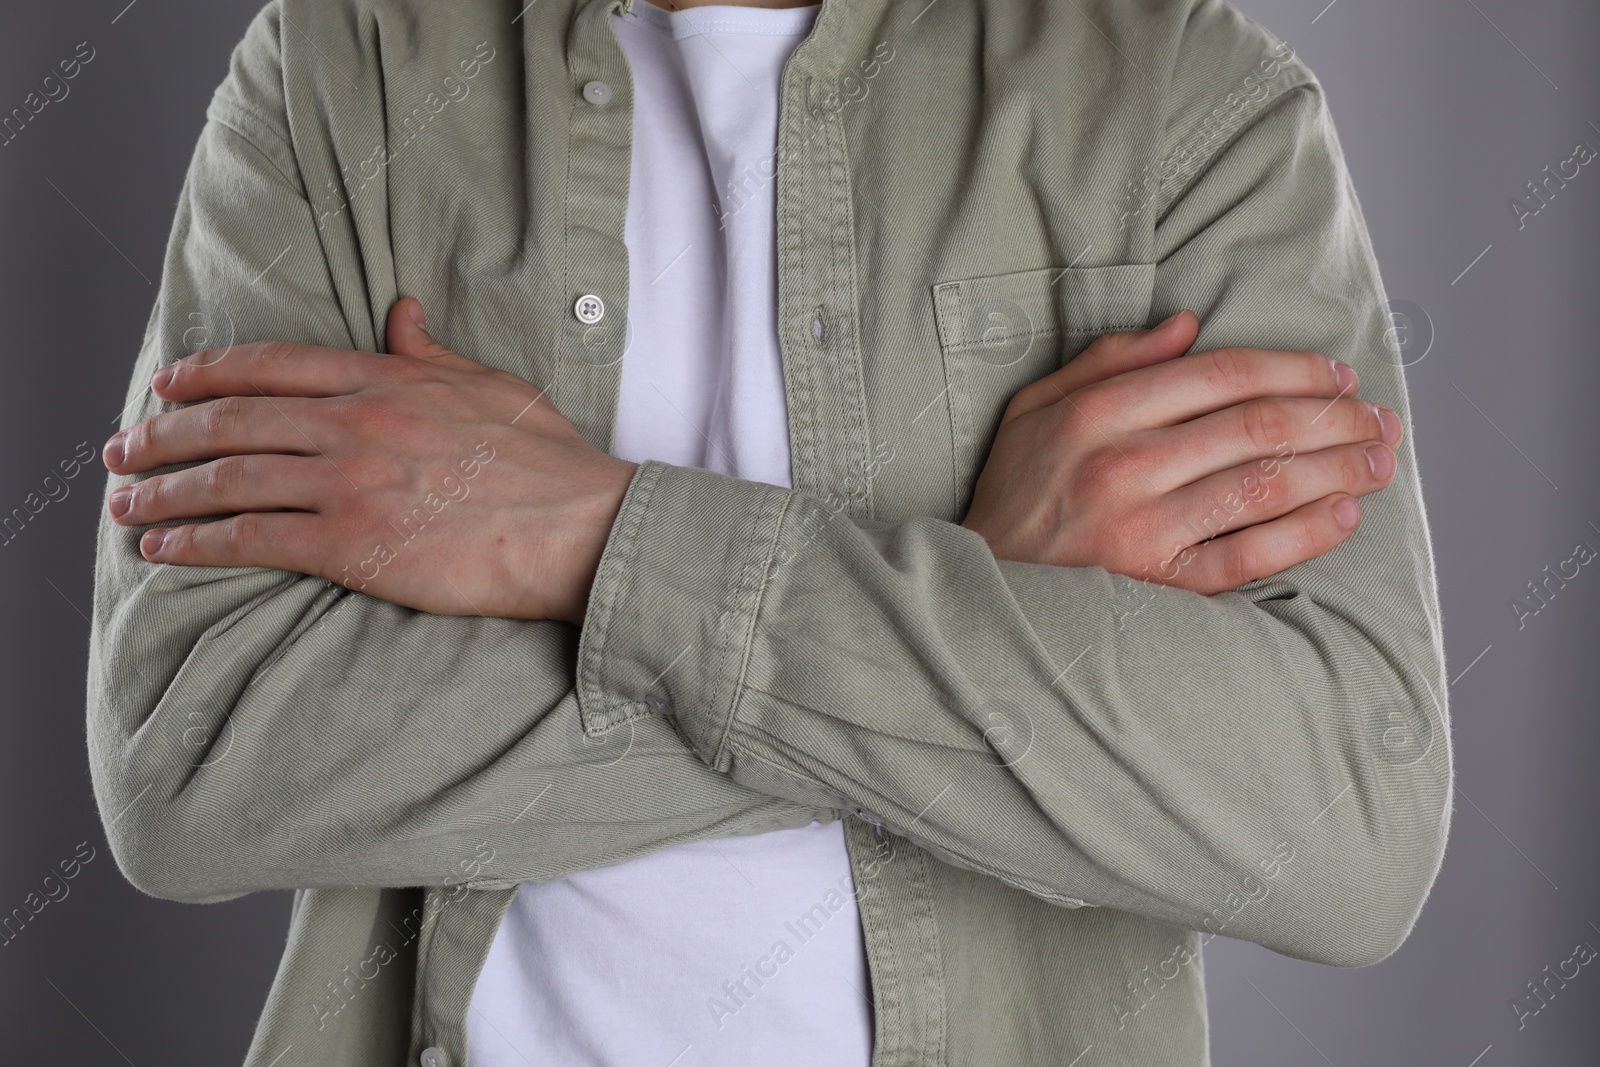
674,602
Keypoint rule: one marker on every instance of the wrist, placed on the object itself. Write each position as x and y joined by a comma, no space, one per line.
606,499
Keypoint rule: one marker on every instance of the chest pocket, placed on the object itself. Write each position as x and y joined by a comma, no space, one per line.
999,333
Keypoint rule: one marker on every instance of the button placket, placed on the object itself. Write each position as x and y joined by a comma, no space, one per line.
593,264
818,289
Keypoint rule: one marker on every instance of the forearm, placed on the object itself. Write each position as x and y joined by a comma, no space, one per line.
1075,734
1030,723
255,728
311,736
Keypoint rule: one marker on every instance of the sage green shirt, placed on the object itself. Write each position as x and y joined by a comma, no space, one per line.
1056,783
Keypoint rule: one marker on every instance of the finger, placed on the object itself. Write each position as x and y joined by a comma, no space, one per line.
1111,354
225,486
1258,429
406,334
1266,489
286,540
271,368
226,426
1183,389
1265,549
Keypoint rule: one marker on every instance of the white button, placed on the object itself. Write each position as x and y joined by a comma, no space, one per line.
589,308
597,92
434,1057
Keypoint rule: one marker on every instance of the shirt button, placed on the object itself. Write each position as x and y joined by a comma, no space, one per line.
434,1057
589,309
597,92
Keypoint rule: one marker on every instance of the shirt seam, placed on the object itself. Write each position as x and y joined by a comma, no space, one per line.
611,575
1194,166
722,757
237,117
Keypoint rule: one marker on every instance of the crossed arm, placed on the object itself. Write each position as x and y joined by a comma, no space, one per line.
1113,461
370,738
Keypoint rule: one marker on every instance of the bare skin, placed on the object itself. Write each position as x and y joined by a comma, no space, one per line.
1111,461
354,442
1202,471
1205,471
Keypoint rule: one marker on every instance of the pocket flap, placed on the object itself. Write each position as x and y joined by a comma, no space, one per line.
999,308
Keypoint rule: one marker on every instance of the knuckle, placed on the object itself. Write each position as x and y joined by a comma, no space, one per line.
270,354
204,357
1066,422
1106,344
342,410
1117,340
1265,423
242,533
386,421
1318,370
1089,406
1354,469
150,494
221,418
357,411
146,438
1240,562
224,477
1311,538
178,542
1231,369
1103,470
1366,425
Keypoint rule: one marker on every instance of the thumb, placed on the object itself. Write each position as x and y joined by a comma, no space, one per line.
407,335
1108,356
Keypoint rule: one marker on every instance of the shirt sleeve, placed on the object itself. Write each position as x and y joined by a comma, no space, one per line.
252,728
1272,762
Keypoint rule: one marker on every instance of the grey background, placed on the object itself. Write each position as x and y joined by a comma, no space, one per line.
1445,108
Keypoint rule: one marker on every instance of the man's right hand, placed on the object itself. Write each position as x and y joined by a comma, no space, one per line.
1204,472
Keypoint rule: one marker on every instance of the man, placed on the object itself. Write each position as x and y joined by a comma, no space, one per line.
872,640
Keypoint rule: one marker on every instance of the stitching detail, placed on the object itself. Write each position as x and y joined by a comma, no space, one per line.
599,710
1213,142
752,586
219,113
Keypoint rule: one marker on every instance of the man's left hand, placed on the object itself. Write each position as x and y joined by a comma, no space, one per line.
420,476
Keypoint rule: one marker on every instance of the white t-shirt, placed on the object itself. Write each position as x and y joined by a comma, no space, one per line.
743,950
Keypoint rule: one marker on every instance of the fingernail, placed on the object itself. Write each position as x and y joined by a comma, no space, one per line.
417,316
1391,425
120,500
151,542
163,376
1348,512
1168,321
1381,460
116,449
1346,376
